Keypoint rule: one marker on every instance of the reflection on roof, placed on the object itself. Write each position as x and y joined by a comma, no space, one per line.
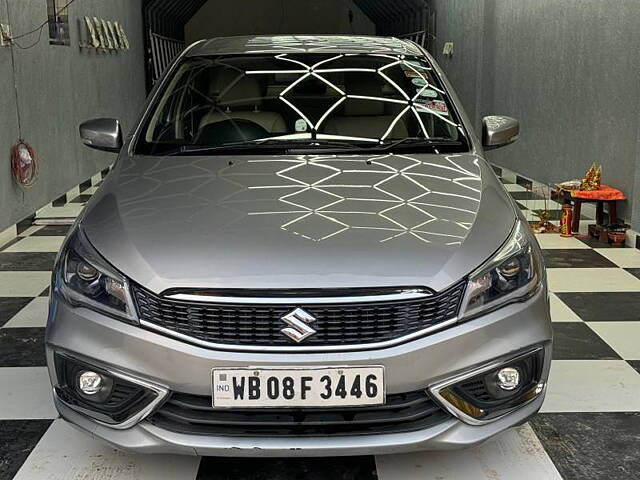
304,44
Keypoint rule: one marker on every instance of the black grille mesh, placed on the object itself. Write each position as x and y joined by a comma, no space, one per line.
192,414
260,324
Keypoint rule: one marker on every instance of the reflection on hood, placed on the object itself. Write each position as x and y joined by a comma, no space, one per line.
297,221
390,196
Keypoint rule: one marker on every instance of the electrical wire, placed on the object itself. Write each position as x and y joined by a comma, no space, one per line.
30,46
24,160
15,86
24,164
44,23
37,29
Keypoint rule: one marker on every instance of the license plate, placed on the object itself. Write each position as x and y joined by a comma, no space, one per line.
297,387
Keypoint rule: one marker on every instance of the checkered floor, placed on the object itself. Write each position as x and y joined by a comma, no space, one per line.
589,426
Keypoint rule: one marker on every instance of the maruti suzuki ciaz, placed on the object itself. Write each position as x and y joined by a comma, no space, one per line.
299,251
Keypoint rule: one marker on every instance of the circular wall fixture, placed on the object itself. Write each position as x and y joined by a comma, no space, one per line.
24,163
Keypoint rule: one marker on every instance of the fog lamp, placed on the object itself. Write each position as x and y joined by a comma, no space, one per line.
90,382
508,378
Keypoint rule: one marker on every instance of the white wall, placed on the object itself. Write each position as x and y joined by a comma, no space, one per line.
219,18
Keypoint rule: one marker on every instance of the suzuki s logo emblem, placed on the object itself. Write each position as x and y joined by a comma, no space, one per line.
298,322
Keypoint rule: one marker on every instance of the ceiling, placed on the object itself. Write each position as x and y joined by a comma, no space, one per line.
392,17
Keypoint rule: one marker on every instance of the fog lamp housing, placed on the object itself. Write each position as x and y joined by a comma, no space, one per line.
108,397
490,392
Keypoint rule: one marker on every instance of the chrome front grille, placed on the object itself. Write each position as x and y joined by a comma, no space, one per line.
260,324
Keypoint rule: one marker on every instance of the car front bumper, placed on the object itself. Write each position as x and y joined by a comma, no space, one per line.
173,365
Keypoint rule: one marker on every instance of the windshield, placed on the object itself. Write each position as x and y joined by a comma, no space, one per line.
310,100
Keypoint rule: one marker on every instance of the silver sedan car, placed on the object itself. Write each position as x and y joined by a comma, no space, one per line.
300,251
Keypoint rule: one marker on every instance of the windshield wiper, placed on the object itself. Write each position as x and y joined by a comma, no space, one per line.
329,146
270,144
416,142
304,145
219,149
315,143
413,142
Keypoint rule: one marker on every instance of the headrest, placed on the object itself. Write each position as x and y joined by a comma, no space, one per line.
232,88
366,84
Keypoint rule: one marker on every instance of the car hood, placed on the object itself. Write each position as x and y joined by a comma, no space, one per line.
331,221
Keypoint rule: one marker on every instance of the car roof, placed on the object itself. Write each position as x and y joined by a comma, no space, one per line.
304,44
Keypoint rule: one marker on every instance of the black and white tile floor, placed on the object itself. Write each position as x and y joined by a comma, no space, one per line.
589,426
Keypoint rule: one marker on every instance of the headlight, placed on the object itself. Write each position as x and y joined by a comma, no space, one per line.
86,279
513,274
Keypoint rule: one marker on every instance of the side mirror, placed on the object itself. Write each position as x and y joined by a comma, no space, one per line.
498,131
102,134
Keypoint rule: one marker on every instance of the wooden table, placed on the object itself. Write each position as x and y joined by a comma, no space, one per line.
604,194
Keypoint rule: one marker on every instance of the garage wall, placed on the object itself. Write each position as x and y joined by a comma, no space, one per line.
58,87
460,21
567,69
9,197
222,18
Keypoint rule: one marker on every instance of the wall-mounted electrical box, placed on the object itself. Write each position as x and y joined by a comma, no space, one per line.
448,49
5,35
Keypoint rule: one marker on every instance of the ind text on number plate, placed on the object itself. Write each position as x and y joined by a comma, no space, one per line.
249,387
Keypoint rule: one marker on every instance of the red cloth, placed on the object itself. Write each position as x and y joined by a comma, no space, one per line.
605,192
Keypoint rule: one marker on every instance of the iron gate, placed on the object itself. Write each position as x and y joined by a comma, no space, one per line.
163,51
